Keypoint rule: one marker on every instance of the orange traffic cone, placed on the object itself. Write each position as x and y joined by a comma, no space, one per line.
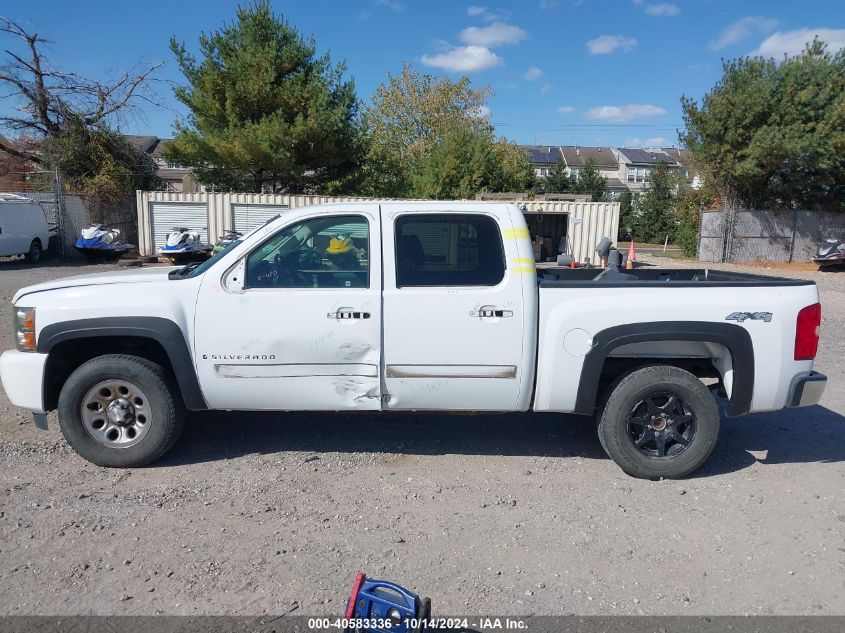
572,263
632,257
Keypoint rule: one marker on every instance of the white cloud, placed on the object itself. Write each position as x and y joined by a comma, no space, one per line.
657,141
392,4
533,73
624,113
742,29
565,109
463,59
483,13
663,9
792,43
483,112
495,34
606,44
545,88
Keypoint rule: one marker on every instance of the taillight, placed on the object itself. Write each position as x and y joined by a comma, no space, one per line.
807,332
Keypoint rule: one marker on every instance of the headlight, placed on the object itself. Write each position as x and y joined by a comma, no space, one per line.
25,329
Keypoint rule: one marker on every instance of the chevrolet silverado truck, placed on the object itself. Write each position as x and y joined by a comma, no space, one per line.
410,306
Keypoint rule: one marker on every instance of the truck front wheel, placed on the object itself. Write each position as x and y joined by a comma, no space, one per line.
659,421
120,411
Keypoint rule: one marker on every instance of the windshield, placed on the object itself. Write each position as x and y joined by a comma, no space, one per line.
192,270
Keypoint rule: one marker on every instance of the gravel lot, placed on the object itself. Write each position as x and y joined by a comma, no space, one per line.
253,514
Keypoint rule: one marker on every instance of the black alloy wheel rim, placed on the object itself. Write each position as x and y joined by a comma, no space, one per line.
661,425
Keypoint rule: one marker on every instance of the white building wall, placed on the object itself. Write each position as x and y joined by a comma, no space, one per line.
588,221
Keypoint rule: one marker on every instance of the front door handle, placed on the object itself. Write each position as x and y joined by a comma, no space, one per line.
344,314
491,312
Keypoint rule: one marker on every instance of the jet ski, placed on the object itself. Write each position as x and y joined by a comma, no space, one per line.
830,253
100,242
183,244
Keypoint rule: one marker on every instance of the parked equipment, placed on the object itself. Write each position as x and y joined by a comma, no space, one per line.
23,227
100,242
381,601
184,244
228,236
830,253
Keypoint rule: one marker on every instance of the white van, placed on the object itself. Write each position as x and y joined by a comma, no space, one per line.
23,227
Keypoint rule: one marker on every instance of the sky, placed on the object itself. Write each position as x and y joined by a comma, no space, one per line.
563,72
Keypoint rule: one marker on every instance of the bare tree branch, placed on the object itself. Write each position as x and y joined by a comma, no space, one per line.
52,99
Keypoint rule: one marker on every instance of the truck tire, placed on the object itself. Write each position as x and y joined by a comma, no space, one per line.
33,255
120,411
659,421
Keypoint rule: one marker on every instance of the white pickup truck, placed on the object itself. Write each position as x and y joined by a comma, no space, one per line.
410,306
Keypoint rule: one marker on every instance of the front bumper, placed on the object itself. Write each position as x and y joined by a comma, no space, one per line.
22,375
806,389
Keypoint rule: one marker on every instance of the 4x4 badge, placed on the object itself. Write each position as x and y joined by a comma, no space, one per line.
752,316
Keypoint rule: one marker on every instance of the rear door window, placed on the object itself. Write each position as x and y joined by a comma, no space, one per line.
448,250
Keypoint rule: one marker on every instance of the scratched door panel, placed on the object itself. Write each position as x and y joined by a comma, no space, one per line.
293,348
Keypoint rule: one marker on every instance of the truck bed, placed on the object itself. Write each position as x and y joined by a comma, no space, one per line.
657,277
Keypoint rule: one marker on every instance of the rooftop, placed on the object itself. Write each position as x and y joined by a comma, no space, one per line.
649,156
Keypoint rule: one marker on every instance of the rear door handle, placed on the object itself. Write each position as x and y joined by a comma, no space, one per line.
344,314
491,312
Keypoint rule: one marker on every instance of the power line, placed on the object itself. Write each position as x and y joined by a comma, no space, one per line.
609,127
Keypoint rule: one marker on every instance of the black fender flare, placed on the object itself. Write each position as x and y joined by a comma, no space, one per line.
734,337
163,331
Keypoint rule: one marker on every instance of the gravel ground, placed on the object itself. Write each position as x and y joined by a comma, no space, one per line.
256,513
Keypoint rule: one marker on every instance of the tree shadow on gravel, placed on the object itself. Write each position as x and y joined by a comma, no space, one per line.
809,435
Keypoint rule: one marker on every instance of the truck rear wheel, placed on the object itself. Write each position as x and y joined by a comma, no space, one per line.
659,421
120,411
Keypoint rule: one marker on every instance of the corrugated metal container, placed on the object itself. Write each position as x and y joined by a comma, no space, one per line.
167,216
588,221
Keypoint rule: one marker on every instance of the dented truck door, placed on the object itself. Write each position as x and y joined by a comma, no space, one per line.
302,331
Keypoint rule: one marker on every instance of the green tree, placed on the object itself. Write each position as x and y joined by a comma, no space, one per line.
557,180
99,163
771,133
627,218
517,175
655,207
409,115
590,181
468,161
688,221
265,110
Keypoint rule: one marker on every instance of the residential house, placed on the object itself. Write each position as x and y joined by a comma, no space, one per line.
542,158
690,176
606,162
174,177
636,165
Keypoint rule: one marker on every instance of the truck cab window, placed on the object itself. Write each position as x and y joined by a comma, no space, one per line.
324,252
448,250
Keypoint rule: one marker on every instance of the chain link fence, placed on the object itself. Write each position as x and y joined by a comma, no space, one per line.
68,212
744,235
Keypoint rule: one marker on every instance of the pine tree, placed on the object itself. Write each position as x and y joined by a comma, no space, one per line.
590,181
266,112
654,207
558,181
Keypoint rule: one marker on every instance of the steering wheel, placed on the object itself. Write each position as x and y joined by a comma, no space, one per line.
287,276
305,259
